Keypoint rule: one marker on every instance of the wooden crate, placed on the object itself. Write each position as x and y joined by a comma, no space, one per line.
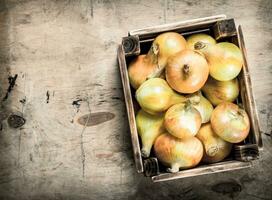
222,29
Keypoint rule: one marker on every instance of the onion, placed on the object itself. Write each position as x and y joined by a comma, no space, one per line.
149,128
140,68
182,120
230,122
164,46
155,96
199,37
153,64
220,91
177,153
225,59
205,108
215,148
187,71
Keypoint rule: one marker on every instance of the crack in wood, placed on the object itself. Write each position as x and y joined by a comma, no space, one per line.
77,103
47,96
83,155
92,8
12,81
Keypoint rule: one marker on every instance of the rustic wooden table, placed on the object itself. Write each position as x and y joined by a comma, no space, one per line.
58,63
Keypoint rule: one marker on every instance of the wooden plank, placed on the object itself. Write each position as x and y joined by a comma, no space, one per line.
69,49
130,110
202,170
177,25
250,99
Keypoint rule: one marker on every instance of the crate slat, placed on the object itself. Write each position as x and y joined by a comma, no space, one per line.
249,97
130,110
176,25
202,170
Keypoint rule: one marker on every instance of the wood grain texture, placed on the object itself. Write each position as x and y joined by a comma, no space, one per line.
68,49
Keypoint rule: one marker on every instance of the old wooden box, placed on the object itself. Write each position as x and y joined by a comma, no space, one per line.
222,29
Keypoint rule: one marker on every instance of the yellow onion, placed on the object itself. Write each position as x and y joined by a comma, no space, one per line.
182,120
205,108
230,122
215,148
140,68
156,96
153,63
187,71
164,46
178,153
224,59
149,128
199,37
220,91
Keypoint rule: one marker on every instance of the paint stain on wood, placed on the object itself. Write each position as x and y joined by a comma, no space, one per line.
229,188
77,103
12,81
104,155
116,98
23,101
247,179
16,121
23,19
31,157
47,96
95,118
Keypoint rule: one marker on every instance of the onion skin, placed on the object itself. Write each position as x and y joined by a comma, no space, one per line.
182,120
149,128
177,153
166,45
153,64
139,69
225,60
155,96
187,71
230,122
199,37
215,148
205,109
220,91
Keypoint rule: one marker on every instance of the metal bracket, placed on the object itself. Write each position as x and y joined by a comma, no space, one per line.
224,28
131,45
247,152
151,167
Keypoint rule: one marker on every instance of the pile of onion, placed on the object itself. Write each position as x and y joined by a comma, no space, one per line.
176,122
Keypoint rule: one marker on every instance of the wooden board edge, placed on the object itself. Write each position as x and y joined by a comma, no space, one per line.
203,170
176,25
249,92
130,110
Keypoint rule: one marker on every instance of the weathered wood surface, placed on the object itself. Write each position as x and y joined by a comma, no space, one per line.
75,143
